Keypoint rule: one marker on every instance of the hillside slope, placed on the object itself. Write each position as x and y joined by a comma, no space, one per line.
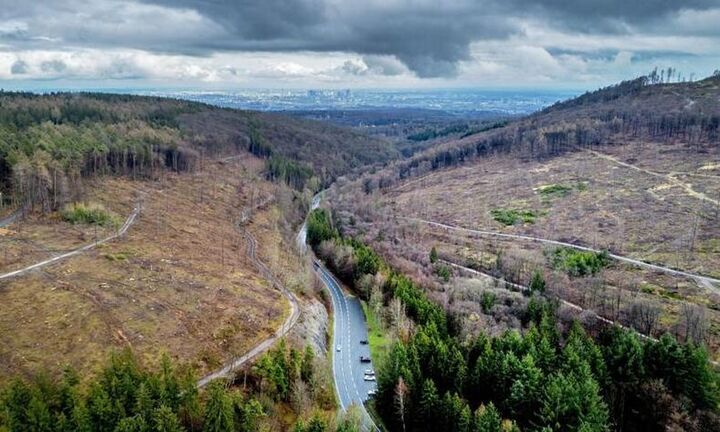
633,169
49,143
182,279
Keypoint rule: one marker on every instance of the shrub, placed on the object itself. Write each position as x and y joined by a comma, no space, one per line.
487,301
443,272
512,216
555,190
92,214
579,263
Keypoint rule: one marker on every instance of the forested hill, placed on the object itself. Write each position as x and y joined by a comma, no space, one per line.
637,110
49,143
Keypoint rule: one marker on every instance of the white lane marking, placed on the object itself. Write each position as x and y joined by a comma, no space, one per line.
336,289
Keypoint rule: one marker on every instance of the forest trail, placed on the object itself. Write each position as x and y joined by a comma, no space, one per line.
228,368
123,229
705,281
669,177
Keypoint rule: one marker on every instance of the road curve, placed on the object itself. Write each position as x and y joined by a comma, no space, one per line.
704,280
301,238
123,229
349,328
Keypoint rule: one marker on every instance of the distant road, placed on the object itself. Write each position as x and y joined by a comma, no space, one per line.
301,238
706,281
128,223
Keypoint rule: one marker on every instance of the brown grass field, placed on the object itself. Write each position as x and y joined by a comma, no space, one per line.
178,282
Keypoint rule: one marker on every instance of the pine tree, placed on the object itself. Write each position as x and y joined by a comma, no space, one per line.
132,424
38,415
487,419
16,405
306,369
81,418
316,424
251,413
219,410
429,406
537,282
433,255
165,420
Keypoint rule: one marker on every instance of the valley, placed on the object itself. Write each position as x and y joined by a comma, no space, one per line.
474,252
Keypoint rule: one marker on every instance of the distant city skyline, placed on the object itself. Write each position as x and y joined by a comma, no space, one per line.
335,44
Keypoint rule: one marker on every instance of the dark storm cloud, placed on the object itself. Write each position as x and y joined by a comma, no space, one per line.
429,37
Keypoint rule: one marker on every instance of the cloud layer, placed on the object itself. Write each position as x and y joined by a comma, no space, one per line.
336,40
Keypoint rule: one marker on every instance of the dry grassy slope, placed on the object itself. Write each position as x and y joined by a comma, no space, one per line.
178,282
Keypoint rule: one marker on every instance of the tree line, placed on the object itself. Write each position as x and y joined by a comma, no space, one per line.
127,397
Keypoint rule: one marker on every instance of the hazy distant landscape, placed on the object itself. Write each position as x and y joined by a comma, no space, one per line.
459,102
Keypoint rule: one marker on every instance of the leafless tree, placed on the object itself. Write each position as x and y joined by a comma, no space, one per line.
401,391
644,316
693,323
300,397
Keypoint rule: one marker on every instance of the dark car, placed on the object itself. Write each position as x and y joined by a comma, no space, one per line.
364,359
364,342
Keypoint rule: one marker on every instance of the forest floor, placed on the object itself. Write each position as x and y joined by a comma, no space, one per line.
179,281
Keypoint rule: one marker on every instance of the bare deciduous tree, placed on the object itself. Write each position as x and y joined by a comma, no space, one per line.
401,391
693,323
644,316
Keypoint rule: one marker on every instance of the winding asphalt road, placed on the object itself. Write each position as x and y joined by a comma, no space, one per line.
301,238
706,281
349,328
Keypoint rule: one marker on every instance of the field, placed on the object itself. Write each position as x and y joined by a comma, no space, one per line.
179,281
658,203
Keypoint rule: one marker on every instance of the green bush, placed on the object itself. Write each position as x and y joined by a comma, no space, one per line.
555,190
579,263
91,214
487,301
443,272
319,227
513,216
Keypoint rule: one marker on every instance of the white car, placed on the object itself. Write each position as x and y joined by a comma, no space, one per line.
338,348
369,372
369,377
372,392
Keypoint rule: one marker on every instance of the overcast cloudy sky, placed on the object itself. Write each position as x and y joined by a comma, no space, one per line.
352,43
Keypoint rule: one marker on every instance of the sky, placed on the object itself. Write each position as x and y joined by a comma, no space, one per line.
227,44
